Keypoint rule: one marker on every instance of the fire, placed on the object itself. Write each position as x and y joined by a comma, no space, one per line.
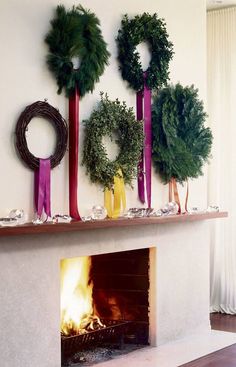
77,315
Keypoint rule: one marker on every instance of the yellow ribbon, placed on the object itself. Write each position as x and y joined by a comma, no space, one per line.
118,192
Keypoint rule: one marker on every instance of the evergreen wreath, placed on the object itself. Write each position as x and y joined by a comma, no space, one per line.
141,28
181,143
76,33
112,117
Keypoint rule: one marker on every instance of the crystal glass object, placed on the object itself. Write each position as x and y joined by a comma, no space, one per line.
98,212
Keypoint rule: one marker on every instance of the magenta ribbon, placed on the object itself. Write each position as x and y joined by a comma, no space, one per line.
143,103
42,188
139,109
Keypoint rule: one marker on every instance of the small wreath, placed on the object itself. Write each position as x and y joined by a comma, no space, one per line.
141,28
45,110
181,143
112,117
76,33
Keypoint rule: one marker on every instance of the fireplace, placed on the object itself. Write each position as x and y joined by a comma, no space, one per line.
30,284
104,305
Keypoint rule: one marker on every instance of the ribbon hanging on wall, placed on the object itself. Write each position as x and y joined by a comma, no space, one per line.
73,153
41,167
181,142
75,34
42,193
108,118
143,99
151,29
115,199
174,195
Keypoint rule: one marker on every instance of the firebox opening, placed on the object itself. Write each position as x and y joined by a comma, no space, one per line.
104,306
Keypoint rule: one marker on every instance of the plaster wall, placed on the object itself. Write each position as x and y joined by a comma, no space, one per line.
29,266
25,79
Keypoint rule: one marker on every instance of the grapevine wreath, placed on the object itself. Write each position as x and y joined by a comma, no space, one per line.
151,29
45,110
76,33
112,117
181,143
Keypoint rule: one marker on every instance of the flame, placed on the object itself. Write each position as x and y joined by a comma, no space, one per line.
77,316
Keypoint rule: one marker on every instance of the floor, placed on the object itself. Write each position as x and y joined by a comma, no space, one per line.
222,358
218,348
223,322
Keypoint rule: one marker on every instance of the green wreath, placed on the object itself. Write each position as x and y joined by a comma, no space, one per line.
112,117
76,33
141,28
181,143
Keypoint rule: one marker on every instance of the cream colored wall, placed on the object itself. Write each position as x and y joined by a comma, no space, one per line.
24,78
29,265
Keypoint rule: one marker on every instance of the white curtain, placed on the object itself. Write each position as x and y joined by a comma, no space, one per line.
221,48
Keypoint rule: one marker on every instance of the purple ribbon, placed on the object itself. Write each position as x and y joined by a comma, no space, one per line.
144,98
42,188
139,105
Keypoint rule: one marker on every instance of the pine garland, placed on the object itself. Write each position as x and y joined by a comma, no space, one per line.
181,143
76,33
110,117
151,29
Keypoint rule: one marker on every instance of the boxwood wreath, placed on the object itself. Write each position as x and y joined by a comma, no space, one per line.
181,143
151,29
76,33
112,117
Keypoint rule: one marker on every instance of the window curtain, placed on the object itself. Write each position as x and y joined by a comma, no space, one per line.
221,49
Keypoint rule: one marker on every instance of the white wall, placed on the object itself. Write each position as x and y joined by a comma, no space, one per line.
24,78
29,266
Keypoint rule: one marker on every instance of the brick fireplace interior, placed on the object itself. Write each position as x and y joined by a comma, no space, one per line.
119,284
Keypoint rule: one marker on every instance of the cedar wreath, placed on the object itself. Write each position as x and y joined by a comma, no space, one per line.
181,143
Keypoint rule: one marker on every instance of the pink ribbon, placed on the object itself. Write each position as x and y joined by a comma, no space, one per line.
42,188
145,164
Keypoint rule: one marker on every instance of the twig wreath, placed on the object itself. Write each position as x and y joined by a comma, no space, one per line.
112,117
181,143
151,29
42,167
44,110
76,33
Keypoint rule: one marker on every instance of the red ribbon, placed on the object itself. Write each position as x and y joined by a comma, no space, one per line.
73,153
42,188
143,102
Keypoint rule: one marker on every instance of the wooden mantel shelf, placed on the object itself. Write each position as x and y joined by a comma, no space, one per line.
30,228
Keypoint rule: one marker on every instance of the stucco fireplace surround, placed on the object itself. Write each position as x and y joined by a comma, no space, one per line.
30,284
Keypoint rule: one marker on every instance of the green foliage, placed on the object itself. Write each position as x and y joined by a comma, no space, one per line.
151,29
181,144
112,117
76,33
